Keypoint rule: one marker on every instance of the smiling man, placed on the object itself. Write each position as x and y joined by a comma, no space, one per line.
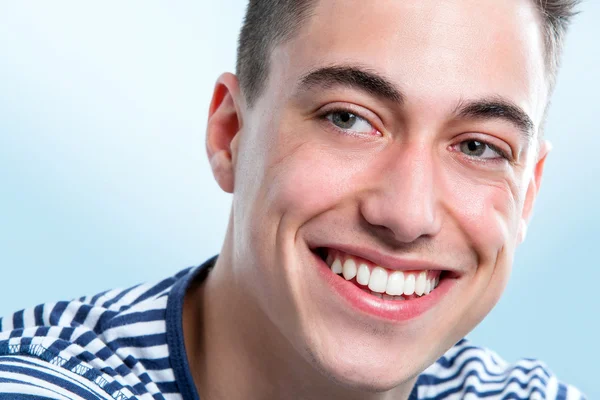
384,159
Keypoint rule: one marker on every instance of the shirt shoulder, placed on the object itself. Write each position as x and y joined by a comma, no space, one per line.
112,345
467,371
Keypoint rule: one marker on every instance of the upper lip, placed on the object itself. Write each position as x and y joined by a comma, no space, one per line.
389,261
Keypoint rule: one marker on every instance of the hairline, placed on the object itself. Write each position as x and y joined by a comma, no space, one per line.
552,45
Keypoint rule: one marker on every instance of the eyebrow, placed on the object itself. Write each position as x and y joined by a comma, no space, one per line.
371,82
353,77
497,108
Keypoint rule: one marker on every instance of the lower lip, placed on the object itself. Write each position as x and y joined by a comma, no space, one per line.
389,310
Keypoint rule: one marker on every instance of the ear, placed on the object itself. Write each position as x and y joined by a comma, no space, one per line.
533,189
224,124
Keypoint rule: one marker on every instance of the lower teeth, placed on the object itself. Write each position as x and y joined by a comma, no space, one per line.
384,296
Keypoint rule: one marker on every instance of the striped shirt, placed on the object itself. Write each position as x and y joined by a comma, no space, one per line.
128,344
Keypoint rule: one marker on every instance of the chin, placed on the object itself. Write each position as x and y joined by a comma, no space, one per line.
362,375
359,360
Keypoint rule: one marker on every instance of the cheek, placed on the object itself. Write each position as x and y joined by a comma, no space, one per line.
486,214
310,181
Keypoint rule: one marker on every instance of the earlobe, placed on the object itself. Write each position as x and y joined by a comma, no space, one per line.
522,231
224,125
533,189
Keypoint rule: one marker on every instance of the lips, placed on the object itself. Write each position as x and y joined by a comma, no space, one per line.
399,292
379,279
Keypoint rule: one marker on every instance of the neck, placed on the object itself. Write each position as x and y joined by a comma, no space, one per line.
235,351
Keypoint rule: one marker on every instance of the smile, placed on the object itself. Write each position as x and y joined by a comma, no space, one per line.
390,289
379,281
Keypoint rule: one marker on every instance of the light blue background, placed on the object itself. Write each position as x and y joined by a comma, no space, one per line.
104,181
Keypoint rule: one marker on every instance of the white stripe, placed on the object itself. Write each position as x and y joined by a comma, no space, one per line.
47,384
93,316
493,383
111,294
154,304
573,393
159,351
69,313
133,330
28,318
46,313
129,297
162,375
21,388
172,396
7,325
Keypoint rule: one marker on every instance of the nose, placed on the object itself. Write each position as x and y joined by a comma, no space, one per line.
402,201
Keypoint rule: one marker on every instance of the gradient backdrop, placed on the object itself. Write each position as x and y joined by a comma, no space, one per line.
104,181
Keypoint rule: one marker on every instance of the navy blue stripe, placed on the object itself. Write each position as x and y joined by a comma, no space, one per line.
109,371
81,314
167,387
130,361
57,312
104,353
118,297
66,334
18,320
135,317
469,362
42,331
85,339
156,289
139,341
156,364
464,387
86,356
122,370
97,296
38,314
561,393
103,320
16,333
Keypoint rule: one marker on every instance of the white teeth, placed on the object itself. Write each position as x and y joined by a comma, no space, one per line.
378,280
420,283
363,274
336,267
379,295
349,269
409,284
395,283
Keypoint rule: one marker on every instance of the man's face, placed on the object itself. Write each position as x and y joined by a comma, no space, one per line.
431,168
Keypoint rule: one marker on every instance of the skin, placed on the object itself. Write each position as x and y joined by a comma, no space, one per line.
264,324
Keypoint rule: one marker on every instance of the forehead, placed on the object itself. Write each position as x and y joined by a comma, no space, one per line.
434,50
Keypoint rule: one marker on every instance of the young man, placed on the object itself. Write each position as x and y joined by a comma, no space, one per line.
384,159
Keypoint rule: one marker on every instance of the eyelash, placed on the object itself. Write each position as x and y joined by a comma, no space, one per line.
324,114
323,117
498,150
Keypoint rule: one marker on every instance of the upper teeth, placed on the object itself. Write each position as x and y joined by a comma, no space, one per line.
382,280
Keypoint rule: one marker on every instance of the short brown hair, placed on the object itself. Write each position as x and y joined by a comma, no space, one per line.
269,23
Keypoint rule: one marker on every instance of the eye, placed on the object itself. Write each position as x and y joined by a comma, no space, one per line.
477,149
350,122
